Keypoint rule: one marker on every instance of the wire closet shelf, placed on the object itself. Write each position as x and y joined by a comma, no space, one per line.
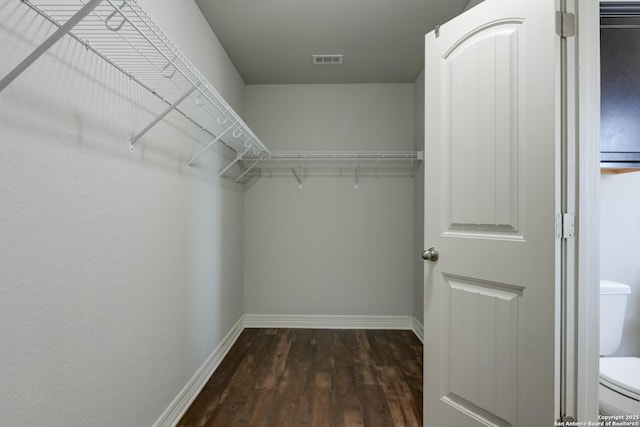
121,33
359,161
342,156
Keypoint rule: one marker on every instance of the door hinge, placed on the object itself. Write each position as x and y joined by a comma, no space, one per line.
565,24
565,226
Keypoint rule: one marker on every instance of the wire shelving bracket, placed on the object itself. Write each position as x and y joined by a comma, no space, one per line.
121,33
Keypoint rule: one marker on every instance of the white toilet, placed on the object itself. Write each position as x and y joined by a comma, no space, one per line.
619,376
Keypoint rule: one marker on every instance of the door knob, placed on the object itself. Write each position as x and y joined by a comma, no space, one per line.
431,254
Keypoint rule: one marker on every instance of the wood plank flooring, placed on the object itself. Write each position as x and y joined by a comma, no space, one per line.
314,377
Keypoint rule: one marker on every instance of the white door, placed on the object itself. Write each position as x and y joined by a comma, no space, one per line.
491,162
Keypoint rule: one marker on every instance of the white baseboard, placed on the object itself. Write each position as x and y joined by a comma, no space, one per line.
418,329
327,321
171,416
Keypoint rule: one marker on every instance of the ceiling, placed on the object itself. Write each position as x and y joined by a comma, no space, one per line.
271,41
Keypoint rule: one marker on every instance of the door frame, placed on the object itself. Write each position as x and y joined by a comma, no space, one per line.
585,54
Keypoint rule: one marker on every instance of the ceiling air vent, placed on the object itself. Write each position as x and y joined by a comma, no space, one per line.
327,59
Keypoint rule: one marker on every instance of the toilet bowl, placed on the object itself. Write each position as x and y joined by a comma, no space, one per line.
619,376
620,385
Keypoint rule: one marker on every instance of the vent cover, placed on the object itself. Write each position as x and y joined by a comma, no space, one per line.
327,59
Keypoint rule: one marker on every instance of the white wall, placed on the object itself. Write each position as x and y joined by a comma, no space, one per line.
472,3
328,248
119,273
619,239
418,203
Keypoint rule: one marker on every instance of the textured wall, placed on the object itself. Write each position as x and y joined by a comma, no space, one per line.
619,239
119,273
328,248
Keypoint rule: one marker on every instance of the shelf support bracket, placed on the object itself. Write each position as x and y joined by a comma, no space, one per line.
161,116
298,175
197,156
249,168
53,38
236,160
356,177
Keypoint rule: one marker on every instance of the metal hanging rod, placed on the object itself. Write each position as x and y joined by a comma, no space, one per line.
341,156
120,32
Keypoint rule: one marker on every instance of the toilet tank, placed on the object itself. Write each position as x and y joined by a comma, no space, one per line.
613,301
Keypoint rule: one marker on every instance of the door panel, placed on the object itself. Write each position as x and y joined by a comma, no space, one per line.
480,350
491,198
481,74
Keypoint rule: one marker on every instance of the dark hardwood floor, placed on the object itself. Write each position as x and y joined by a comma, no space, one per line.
314,377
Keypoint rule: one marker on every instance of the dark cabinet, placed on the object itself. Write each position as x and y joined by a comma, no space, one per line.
620,85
